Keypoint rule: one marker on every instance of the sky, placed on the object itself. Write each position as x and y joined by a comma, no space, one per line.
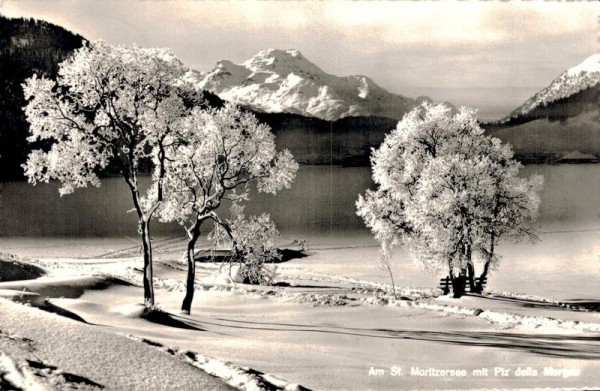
490,55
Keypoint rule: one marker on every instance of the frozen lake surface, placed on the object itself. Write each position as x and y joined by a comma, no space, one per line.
320,209
321,201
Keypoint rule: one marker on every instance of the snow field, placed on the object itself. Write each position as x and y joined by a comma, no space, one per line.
329,321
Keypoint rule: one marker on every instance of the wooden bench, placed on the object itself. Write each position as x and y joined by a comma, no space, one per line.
446,284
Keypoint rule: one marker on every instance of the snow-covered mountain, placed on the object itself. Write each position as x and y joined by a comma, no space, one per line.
559,119
284,81
574,80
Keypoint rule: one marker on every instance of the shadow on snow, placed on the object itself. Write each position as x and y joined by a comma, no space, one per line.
565,346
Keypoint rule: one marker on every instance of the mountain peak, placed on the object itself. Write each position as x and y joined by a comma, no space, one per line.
277,81
590,64
280,53
581,77
282,62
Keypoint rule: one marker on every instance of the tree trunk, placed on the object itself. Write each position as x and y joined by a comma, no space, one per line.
479,285
389,269
147,248
194,234
459,284
471,276
486,266
470,271
144,228
482,277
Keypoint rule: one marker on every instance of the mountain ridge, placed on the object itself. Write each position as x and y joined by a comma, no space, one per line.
583,76
567,123
559,119
284,81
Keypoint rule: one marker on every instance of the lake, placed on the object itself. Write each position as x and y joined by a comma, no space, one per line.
320,202
320,207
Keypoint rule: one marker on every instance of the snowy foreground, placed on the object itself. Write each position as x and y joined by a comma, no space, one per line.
330,324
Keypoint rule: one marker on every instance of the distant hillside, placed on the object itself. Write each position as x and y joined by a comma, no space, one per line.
563,117
347,141
27,46
567,86
561,109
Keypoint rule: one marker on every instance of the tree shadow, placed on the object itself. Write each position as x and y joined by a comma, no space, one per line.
37,301
569,305
284,284
54,309
520,301
167,319
556,345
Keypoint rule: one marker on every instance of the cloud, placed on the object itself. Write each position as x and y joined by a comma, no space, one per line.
392,22
405,47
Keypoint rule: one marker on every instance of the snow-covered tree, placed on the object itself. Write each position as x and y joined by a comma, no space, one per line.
254,240
222,151
109,105
448,192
